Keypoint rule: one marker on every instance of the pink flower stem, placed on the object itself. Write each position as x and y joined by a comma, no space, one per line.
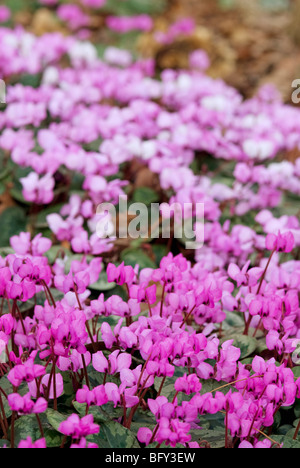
256,414
3,422
124,411
163,299
12,430
297,431
49,292
3,428
40,426
149,305
246,331
226,425
85,371
21,318
187,317
258,327
161,386
265,272
175,396
54,385
154,434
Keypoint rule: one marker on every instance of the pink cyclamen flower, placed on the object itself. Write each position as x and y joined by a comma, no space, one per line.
78,428
97,396
115,362
188,384
26,372
24,405
281,243
83,444
38,190
244,277
29,444
22,244
121,274
144,435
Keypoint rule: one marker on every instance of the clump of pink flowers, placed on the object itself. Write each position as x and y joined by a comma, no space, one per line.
163,355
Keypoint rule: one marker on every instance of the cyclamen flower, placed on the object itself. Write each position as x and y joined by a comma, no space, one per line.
173,432
58,386
24,405
143,293
281,243
144,435
36,190
115,362
188,384
97,396
29,444
78,428
21,291
26,372
83,444
73,15
265,444
22,244
121,274
245,277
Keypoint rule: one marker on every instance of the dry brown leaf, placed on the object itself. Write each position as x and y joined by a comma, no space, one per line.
6,201
44,21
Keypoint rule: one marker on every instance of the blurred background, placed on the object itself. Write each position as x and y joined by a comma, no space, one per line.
249,42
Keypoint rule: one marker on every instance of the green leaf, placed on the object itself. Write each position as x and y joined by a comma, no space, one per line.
116,291
2,188
4,443
99,416
213,422
41,220
30,80
168,389
55,418
246,344
143,419
283,430
56,251
287,442
4,251
102,414
145,195
12,221
233,320
296,372
113,435
102,284
297,408
135,257
159,251
215,438
7,387
27,426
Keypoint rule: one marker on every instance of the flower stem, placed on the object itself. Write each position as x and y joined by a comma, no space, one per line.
297,431
163,299
40,426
